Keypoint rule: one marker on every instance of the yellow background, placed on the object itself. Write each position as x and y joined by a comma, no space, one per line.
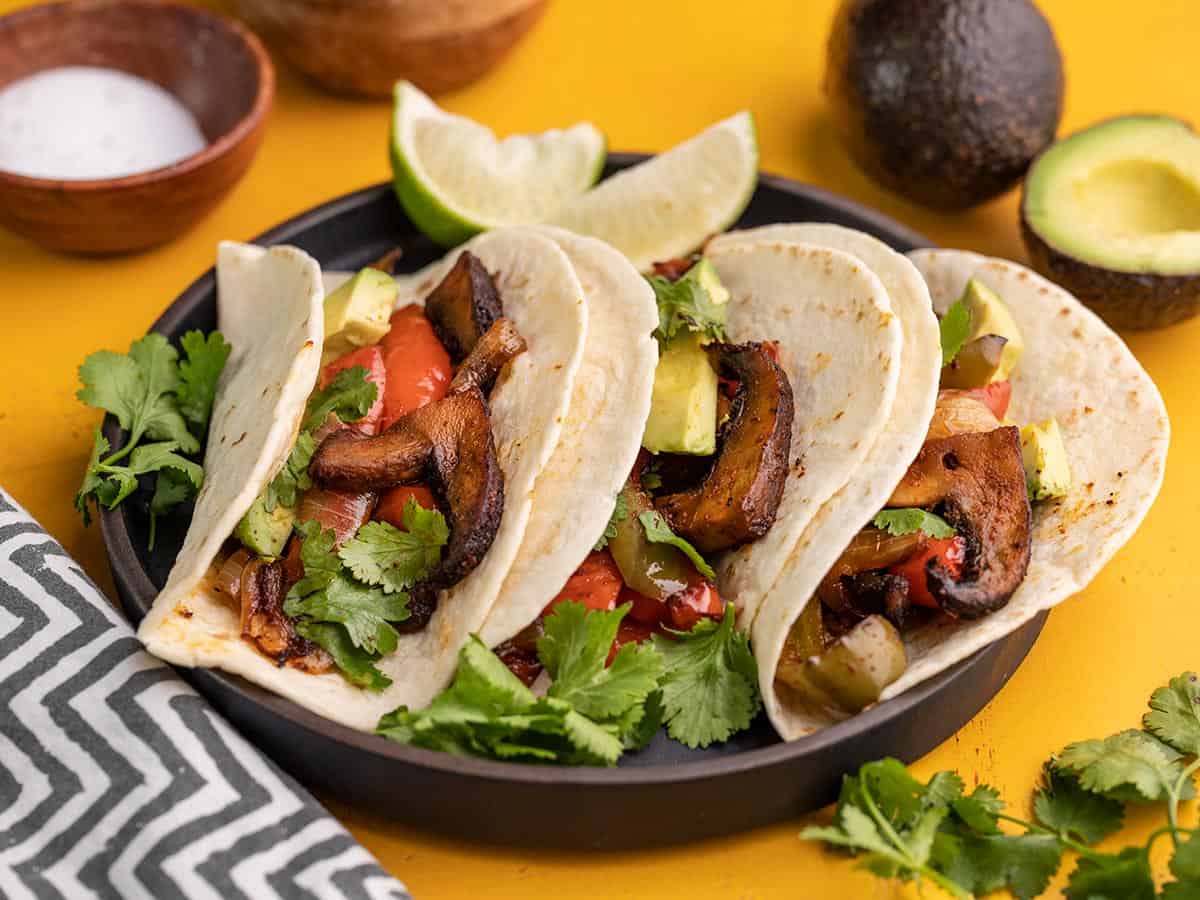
649,73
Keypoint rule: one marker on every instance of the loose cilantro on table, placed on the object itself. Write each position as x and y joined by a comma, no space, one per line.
589,715
619,514
904,829
899,522
153,395
349,396
686,305
710,682
659,532
954,326
381,554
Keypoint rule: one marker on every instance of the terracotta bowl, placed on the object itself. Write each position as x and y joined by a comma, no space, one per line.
215,66
363,47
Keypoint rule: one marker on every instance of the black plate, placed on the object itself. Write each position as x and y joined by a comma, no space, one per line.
666,793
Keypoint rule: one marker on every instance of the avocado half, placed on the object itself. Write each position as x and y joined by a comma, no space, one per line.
1112,213
945,102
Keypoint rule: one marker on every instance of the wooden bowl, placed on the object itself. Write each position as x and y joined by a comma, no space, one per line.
215,66
363,47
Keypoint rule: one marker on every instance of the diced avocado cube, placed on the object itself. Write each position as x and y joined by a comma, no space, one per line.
1047,472
989,315
357,313
683,405
265,533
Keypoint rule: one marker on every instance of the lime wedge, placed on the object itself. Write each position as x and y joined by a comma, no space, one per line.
669,205
455,179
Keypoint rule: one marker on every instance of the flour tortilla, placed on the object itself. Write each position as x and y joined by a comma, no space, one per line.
1116,432
263,295
840,344
601,437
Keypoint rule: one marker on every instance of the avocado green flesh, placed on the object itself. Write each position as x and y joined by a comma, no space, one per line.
1123,195
683,404
265,533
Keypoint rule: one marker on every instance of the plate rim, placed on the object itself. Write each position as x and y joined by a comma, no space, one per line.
136,589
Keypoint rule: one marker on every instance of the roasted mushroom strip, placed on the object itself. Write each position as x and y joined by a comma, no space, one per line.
265,624
739,497
463,306
978,482
498,345
447,444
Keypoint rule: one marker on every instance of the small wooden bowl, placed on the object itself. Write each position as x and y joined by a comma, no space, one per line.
363,47
215,66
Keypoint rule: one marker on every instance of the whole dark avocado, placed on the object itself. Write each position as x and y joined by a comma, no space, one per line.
944,101
1112,213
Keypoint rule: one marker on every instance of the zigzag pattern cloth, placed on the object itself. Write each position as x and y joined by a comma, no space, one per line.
118,780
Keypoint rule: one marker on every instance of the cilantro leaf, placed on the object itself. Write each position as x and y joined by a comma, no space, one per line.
574,650
92,479
292,480
710,683
640,723
1062,805
1174,715
139,389
321,563
1131,765
687,305
110,483
619,514
381,554
1023,863
172,487
954,326
356,665
198,376
980,810
899,522
366,612
1124,876
349,396
659,532
1181,890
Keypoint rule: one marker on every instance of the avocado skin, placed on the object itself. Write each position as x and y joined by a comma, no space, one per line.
946,102
1134,301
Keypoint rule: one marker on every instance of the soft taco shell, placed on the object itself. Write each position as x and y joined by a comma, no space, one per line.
840,345
1116,432
263,295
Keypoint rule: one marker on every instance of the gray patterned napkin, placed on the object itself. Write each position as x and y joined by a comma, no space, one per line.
118,780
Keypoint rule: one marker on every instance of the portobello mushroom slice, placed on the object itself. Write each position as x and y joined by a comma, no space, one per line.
463,306
499,344
737,500
447,444
978,481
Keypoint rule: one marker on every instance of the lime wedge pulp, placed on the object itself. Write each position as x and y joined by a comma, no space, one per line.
670,204
455,179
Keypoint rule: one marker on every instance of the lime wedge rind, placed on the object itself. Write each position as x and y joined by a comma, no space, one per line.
454,178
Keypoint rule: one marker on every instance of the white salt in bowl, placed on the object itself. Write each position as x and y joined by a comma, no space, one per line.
213,65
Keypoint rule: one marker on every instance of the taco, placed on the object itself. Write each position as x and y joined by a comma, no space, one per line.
371,473
1007,509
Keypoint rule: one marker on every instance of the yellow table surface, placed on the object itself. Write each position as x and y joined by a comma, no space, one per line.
649,73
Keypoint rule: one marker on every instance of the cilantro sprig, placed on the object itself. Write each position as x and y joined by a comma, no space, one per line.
154,395
710,682
702,685
659,532
350,599
899,522
687,305
590,714
349,396
619,514
903,829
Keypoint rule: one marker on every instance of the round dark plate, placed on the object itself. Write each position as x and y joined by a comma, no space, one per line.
663,794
